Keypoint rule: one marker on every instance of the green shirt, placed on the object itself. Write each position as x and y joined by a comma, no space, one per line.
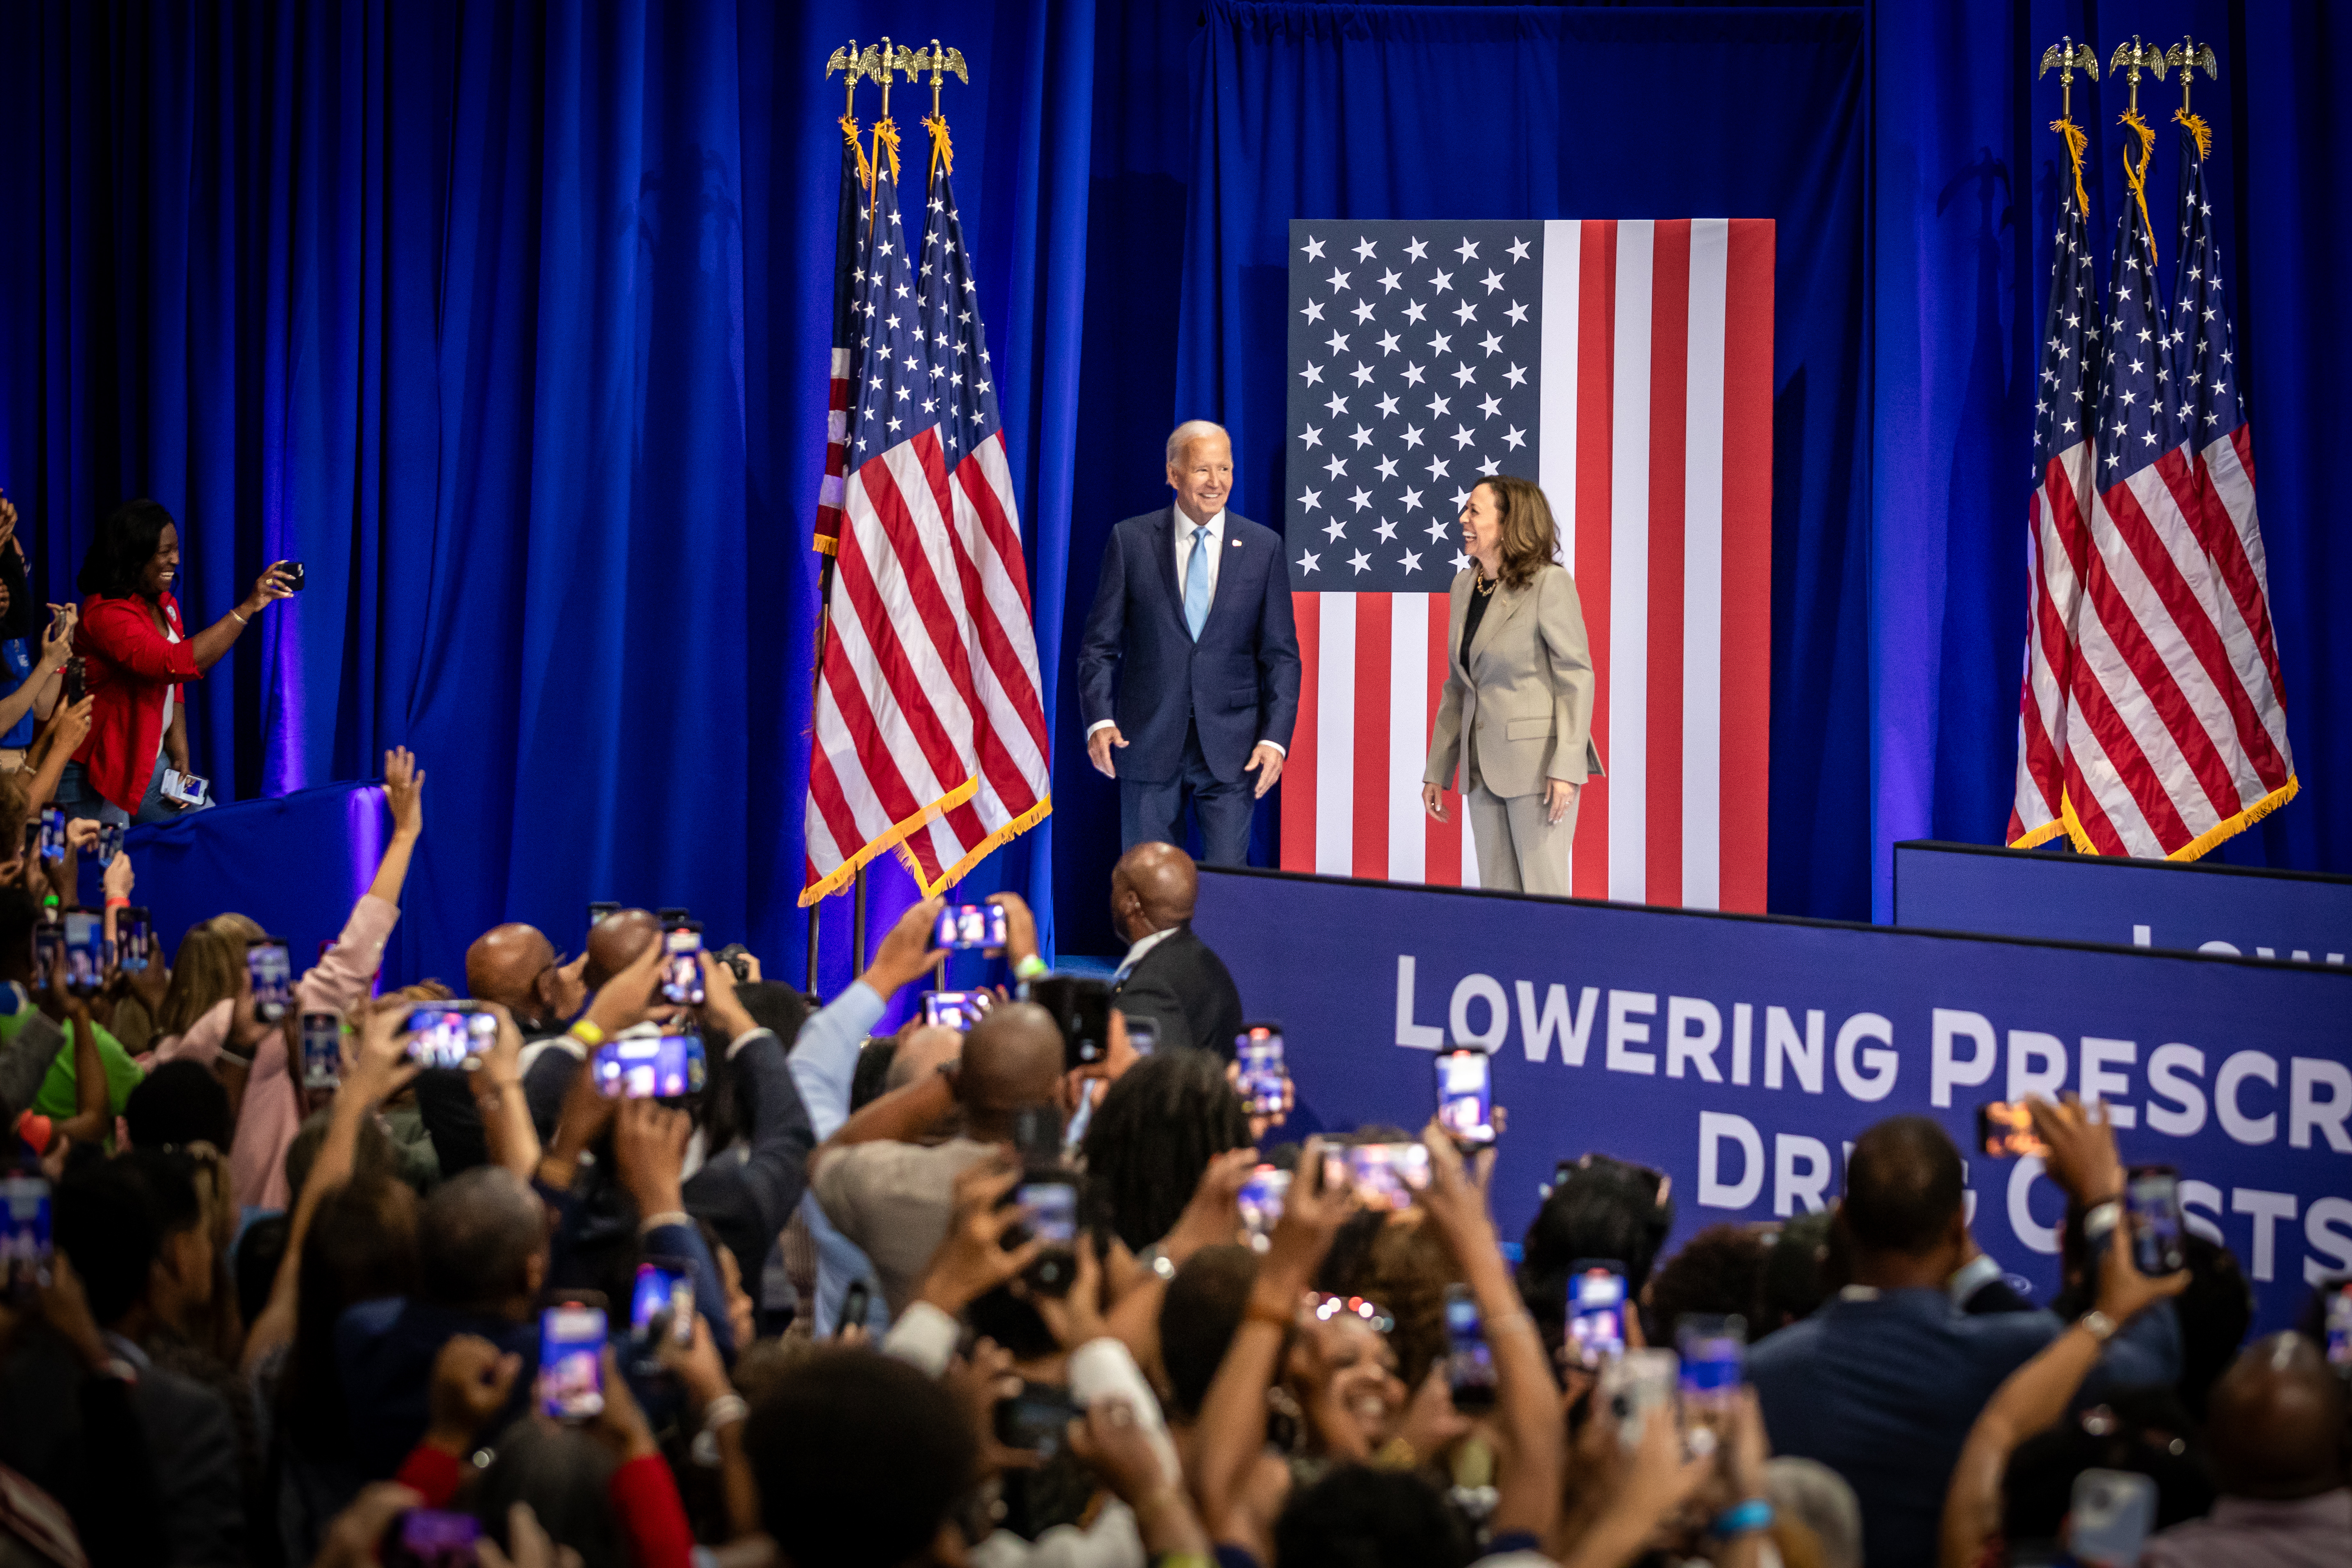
58,1096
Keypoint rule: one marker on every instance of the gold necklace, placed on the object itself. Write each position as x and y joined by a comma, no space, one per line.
1485,586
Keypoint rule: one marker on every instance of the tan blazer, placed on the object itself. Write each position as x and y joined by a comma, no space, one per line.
1524,700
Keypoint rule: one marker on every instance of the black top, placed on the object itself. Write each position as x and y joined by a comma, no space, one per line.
1186,986
1472,616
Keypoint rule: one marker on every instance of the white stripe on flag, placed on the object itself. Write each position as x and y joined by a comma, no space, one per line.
1710,262
1556,388
1627,744
1408,734
1335,739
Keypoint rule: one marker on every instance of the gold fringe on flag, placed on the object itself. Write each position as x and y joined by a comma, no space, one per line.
857,146
886,137
2075,142
2137,176
2197,127
942,151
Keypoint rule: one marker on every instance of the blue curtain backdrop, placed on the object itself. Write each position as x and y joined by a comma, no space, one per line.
511,320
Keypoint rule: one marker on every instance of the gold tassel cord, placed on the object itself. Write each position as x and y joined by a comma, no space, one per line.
857,145
2137,176
2198,128
942,151
886,138
2075,142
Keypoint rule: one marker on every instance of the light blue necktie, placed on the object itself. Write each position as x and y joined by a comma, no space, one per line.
1196,585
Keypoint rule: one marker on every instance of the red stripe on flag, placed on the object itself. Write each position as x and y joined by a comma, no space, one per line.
1370,854
1747,566
1669,423
1596,355
1299,770
1444,843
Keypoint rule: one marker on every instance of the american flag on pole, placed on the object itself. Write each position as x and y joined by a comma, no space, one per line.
929,736
848,248
2056,533
2175,730
1626,367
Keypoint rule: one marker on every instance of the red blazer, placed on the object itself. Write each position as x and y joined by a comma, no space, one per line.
129,666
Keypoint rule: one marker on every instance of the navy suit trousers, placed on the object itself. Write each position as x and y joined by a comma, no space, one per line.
1150,813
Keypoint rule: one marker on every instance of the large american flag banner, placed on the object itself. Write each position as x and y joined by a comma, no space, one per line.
929,735
1626,366
2174,731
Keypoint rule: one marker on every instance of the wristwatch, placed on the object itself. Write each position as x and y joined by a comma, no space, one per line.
2102,1328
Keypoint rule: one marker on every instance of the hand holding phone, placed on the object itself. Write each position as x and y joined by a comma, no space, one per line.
271,968
1258,1051
965,927
448,1034
681,973
649,1066
956,1009
2152,1197
2005,1131
663,1302
1081,1006
1596,1311
1469,1359
85,964
1048,1201
1465,1099
322,1050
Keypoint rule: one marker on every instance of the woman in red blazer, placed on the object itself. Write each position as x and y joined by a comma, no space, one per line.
136,655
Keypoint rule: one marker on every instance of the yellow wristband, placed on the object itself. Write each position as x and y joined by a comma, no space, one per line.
587,1034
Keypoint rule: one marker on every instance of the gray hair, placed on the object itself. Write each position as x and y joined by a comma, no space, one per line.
1194,430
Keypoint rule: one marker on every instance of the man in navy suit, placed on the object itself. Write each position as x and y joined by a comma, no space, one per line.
1190,660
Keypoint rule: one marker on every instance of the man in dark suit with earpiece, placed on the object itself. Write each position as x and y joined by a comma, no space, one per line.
1188,676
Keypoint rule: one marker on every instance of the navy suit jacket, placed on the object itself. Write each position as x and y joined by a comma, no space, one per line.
1139,667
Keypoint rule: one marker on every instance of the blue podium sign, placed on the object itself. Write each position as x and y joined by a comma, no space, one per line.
1741,1053
2053,896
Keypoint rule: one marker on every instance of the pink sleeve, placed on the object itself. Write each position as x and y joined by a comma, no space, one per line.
203,1041
347,969
267,1122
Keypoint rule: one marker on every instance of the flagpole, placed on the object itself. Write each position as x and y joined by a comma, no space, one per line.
852,67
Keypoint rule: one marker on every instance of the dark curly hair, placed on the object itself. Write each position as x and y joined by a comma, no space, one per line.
126,541
1156,1130
1720,1269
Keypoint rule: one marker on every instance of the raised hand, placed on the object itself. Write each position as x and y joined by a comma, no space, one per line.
379,1067
2082,1157
627,996
906,952
471,1381
268,588
649,1143
404,792
972,1260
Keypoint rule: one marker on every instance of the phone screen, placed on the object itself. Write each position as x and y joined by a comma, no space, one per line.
969,926
2109,1518
1142,1034
681,981
1714,1349
1633,1387
1049,1211
133,934
1261,1200
430,1538
650,1067
322,1049
956,1009
52,834
1258,1050
1596,1313
1037,1418
664,1287
185,789
2005,1131
25,1244
1465,1103
272,968
2339,1327
111,835
1469,1360
571,1371
84,964
1385,1175
446,1035
2152,1193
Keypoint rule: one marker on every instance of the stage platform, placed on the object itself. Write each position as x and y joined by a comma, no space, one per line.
1740,1053
2054,894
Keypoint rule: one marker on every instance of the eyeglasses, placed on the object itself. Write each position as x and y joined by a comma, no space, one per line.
1327,1307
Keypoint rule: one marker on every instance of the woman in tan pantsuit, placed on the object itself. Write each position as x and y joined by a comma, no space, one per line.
1516,717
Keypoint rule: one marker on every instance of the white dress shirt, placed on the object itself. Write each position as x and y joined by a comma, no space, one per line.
1134,954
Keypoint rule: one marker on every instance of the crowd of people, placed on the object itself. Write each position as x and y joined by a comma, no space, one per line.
391,1307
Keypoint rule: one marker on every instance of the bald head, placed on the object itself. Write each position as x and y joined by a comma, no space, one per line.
616,942
1153,888
922,1052
1011,1058
504,965
2276,1422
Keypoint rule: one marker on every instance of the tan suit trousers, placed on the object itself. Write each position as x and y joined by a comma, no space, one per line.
1518,851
